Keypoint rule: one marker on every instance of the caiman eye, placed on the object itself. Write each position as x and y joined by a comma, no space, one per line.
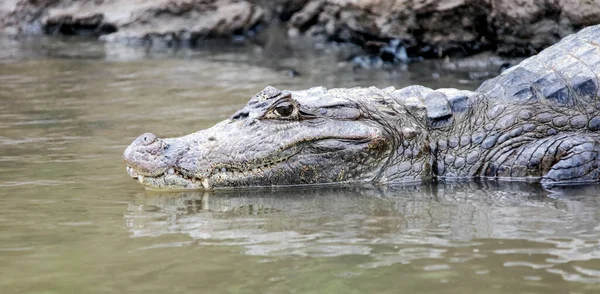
284,110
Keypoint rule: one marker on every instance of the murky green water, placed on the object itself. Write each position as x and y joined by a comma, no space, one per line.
72,221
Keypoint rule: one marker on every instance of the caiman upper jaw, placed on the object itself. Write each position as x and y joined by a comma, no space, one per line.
176,174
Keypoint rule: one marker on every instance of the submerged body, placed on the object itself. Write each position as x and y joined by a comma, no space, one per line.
538,121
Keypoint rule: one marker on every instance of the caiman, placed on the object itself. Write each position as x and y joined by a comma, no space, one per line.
537,121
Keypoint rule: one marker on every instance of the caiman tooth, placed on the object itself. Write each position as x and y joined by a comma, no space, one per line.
141,179
205,183
193,180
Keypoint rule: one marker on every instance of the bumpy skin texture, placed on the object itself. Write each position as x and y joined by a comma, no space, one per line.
537,121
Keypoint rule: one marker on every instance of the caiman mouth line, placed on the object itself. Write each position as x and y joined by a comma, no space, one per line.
220,170
170,174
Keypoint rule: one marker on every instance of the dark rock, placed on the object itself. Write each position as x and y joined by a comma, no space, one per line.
429,28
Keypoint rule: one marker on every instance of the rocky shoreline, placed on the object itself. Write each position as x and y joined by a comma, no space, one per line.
391,31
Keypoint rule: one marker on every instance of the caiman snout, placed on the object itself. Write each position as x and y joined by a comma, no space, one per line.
146,154
166,162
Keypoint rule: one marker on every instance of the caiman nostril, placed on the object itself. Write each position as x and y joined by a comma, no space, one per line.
146,139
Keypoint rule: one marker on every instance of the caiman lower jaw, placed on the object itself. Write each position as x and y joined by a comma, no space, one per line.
171,179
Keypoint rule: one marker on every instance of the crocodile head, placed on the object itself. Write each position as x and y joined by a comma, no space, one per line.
291,138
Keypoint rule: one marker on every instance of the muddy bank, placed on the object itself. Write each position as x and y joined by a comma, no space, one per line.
390,30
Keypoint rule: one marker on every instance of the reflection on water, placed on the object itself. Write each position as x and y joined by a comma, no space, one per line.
389,224
71,218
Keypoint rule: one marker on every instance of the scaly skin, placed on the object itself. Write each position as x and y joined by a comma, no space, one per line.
537,121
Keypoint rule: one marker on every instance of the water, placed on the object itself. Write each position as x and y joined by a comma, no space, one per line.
72,221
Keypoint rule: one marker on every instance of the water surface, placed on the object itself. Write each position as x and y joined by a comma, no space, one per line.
71,220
